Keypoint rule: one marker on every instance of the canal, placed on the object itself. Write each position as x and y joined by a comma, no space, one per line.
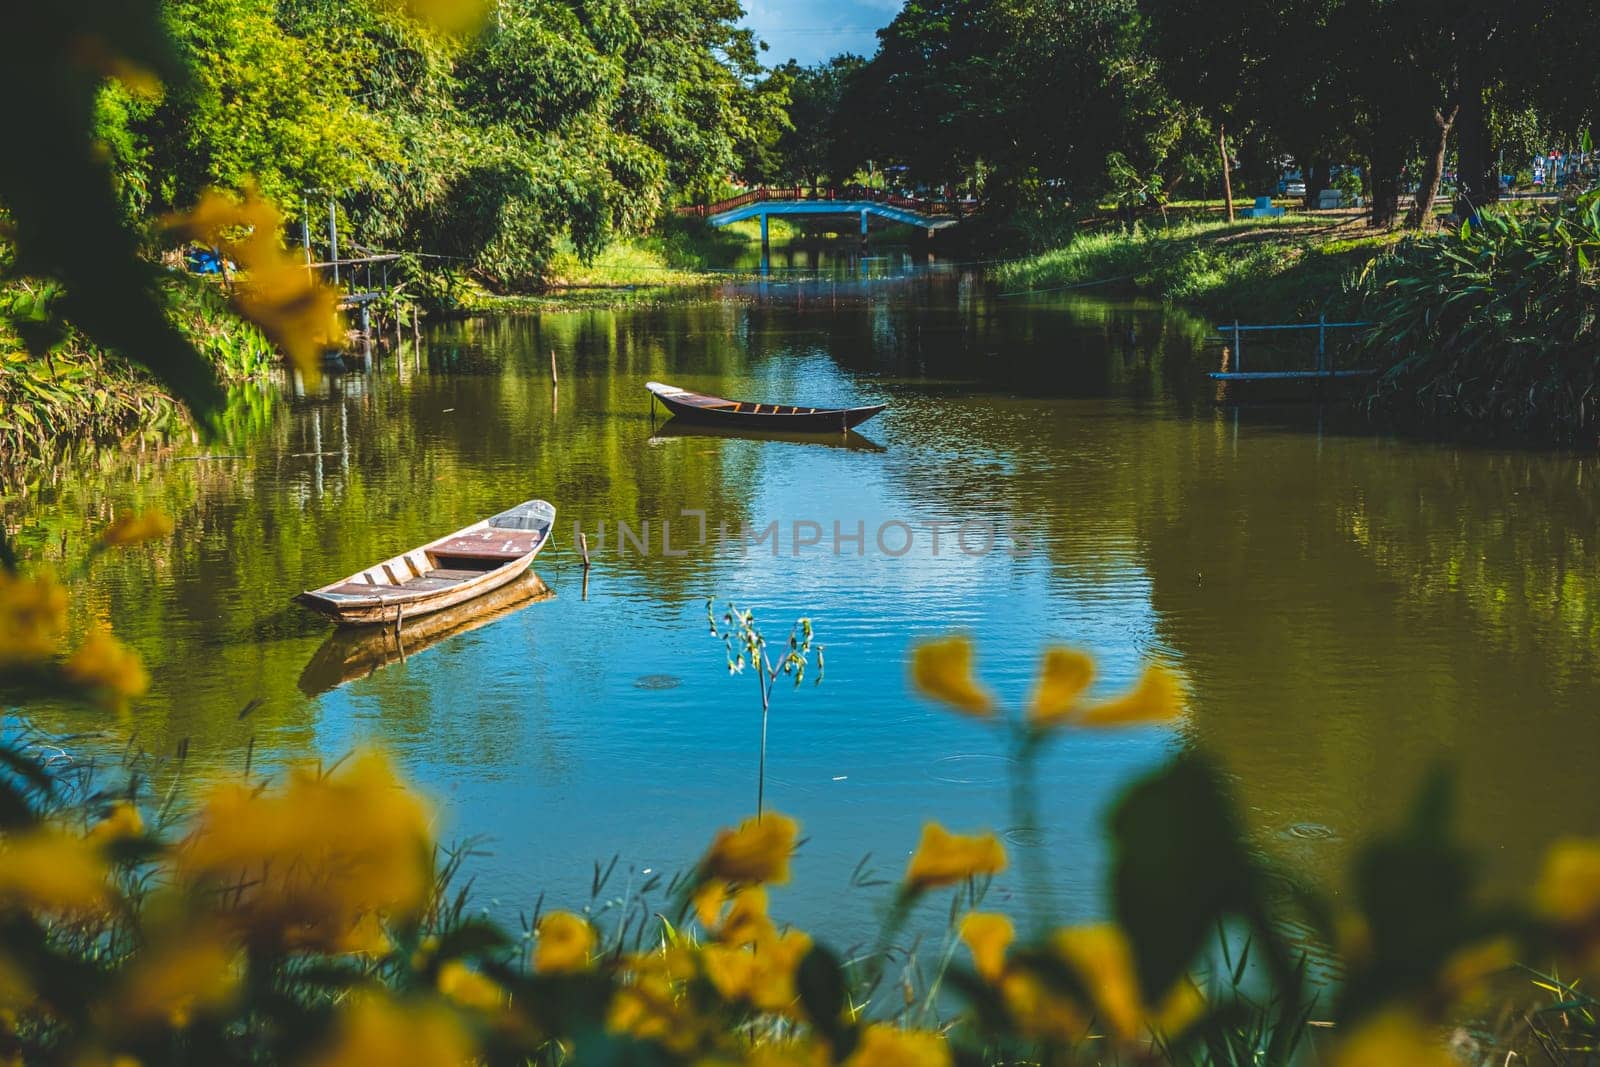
1345,607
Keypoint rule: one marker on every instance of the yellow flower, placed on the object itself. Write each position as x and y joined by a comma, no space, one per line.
708,901
109,668
120,824
943,858
1393,1039
762,973
316,858
756,852
130,529
1063,677
470,989
1039,1011
987,936
747,921
1568,891
374,1029
293,308
565,942
1465,973
170,982
46,869
33,618
883,1045
1103,960
942,669
1156,698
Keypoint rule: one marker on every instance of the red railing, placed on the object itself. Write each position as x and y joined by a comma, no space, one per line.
925,205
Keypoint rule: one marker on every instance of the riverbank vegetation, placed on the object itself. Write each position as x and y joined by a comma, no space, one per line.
1270,270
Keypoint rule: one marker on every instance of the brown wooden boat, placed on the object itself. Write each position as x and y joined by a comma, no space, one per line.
441,574
698,407
352,652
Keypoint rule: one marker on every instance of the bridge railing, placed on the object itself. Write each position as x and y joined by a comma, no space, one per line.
926,206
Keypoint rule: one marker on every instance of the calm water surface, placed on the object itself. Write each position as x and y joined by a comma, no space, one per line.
1345,608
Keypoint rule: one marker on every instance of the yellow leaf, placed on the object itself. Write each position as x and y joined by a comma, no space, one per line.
129,529
942,669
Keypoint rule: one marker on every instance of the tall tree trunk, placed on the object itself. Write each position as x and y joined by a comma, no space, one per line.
1432,167
1383,177
1317,174
1227,179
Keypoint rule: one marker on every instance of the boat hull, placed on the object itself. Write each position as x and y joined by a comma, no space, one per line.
378,611
787,418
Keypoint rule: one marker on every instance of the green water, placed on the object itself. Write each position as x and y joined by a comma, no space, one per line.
1345,608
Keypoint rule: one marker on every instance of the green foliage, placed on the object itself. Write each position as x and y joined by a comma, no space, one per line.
1495,323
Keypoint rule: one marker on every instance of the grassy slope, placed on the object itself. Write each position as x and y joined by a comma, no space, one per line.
1257,271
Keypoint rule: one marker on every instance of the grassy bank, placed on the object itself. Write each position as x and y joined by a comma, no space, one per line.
78,392
1267,270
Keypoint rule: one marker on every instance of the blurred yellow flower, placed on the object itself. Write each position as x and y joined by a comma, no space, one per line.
121,823
565,943
987,936
171,981
747,921
883,1045
942,669
374,1029
755,852
1103,960
276,292
451,16
761,974
708,900
1465,974
316,859
1393,1039
1041,1012
110,669
1156,698
130,529
1568,891
47,869
1064,676
469,988
33,618
943,858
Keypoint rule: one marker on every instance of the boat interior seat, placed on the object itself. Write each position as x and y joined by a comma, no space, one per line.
419,561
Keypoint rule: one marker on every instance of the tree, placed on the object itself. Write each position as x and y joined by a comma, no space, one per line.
816,94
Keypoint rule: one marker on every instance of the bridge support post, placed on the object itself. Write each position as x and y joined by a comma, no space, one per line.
863,225
763,232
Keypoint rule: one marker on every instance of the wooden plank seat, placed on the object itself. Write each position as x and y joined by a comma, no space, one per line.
492,544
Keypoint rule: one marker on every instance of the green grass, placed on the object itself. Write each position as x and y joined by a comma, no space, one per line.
1256,270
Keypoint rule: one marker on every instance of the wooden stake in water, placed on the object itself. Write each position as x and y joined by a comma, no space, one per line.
553,378
583,547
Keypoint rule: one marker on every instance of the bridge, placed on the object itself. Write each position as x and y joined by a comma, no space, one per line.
926,214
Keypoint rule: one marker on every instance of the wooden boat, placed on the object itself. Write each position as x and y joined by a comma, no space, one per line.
352,652
441,574
697,407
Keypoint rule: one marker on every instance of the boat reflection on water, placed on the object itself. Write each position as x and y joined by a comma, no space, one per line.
675,428
356,652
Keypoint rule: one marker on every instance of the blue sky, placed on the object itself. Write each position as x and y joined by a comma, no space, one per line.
813,30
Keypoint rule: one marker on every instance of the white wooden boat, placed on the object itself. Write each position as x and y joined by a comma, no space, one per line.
440,574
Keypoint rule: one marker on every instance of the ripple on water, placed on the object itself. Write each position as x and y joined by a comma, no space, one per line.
1311,831
657,681
1025,836
971,769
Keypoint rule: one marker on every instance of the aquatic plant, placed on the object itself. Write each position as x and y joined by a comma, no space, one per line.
1494,323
